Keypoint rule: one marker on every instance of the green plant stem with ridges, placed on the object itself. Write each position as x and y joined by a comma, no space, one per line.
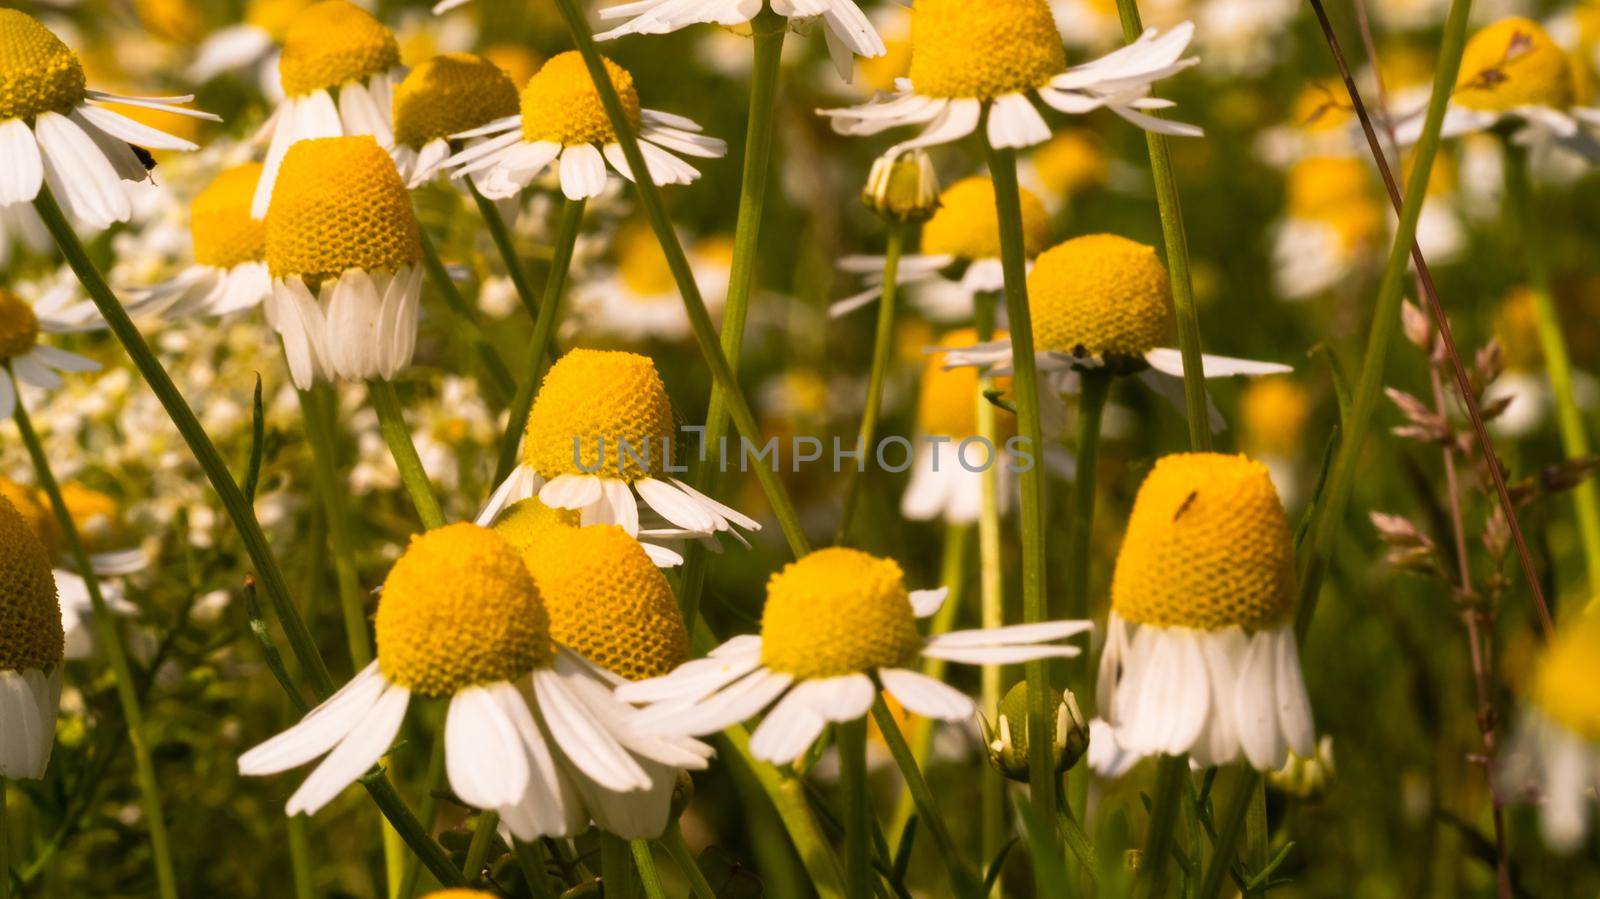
705,333
501,236
645,860
616,869
434,778
673,842
1025,384
300,857
882,350
767,33
530,858
392,422
427,850
991,590
850,738
318,411
467,316
1231,826
961,877
542,349
110,642
1096,386
478,849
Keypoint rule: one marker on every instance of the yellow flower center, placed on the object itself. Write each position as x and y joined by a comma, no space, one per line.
981,50
30,615
220,225
1320,185
560,104
274,16
968,227
838,611
19,326
1273,413
880,72
1563,684
1514,63
641,265
38,73
608,602
1207,547
948,403
600,412
527,523
36,511
95,515
459,609
1516,326
1100,295
1071,162
339,204
449,94
171,20
1322,108
518,62
334,43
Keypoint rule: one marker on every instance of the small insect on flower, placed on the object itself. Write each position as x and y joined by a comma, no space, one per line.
229,273
30,649
56,131
563,124
446,95
838,626
344,253
23,359
533,731
1200,653
951,463
600,434
971,60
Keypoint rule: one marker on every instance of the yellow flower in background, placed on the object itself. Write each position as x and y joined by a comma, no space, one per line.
229,273
1556,746
30,649
444,96
947,473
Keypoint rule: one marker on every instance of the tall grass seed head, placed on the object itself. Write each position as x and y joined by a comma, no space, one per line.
224,233
332,43
1102,296
339,204
38,73
983,50
600,400
1512,63
560,103
1564,681
967,226
902,187
19,326
30,614
449,94
838,611
1007,738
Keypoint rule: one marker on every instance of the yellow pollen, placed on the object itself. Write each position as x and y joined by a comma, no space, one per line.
518,62
30,615
333,43
838,611
561,105
220,225
1273,414
19,326
526,523
1102,296
35,510
1208,547
968,227
339,204
948,403
981,50
1563,683
274,16
641,265
1319,186
459,609
1071,162
1514,63
605,409
449,94
608,602
38,73
1516,327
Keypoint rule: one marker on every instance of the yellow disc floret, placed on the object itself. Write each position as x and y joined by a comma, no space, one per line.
339,204
947,405
30,615
449,94
274,16
981,50
1319,186
1100,296
1273,414
35,510
967,226
526,523
19,326
1514,63
608,602
459,609
38,73
224,234
1208,547
333,43
561,105
838,611
603,413
1563,684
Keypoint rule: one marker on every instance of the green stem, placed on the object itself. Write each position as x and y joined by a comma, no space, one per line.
501,236
1025,383
430,811
1174,236
431,854
673,842
882,350
205,452
467,316
544,326
392,422
960,876
767,31
1091,407
300,857
1557,358
705,332
110,642
991,590
478,849
616,870
645,860
1172,772
1079,844
1224,849
850,738
318,410
1385,318
530,858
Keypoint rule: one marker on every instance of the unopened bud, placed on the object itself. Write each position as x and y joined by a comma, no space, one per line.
902,187
1416,324
1007,738
1305,778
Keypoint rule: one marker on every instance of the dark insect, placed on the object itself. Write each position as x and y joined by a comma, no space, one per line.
1184,506
145,159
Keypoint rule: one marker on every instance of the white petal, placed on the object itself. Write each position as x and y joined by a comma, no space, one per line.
1174,698
583,172
21,169
571,491
321,728
676,506
123,128
79,174
582,738
367,741
1013,122
1294,705
736,703
21,752
1170,361
787,731
927,602
922,695
484,756
1255,705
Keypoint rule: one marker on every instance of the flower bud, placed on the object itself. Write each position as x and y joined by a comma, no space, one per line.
1007,738
1305,778
902,187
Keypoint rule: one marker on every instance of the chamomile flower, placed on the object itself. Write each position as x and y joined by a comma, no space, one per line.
971,60
951,461
1273,413
532,731
1516,329
229,273
848,30
960,254
600,430
1200,653
446,95
1556,747
562,124
344,253
637,299
1332,223
251,44
838,626
35,509
339,68
1103,301
23,359
56,131
30,650
1071,163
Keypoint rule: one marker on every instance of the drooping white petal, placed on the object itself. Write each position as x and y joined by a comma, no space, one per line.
583,172
1294,704
1014,123
1255,705
571,491
922,695
321,728
484,755
1174,697
365,743
79,174
582,738
738,702
787,731
21,169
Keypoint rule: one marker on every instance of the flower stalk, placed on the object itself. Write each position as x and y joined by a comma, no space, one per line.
882,349
851,739
991,585
318,408
488,356
673,842
392,422
961,878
